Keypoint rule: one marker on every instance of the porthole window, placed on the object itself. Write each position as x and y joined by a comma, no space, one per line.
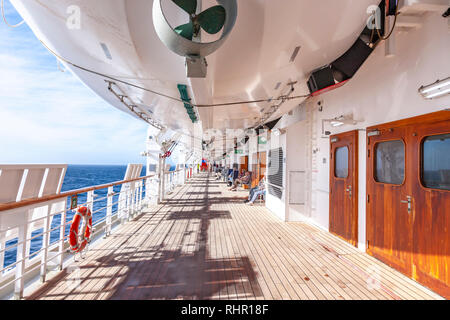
390,162
436,162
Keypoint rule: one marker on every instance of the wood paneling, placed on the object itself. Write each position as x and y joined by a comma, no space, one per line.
344,191
243,165
390,233
415,241
259,167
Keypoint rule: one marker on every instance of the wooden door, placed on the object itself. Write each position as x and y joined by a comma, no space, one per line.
408,224
389,235
243,166
431,203
254,169
258,168
262,165
344,186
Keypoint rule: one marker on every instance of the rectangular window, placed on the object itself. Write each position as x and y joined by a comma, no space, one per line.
390,162
341,162
436,162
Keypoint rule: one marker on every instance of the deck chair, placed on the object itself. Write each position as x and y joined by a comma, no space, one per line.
128,192
20,182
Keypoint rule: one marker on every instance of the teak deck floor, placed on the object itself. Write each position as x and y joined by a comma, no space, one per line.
203,242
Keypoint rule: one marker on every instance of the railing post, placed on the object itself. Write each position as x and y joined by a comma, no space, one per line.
62,234
20,256
90,200
141,189
163,185
45,244
132,207
128,203
109,205
135,198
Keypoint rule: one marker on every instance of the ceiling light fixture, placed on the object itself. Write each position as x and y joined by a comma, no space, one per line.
436,90
294,54
340,121
106,51
337,123
278,132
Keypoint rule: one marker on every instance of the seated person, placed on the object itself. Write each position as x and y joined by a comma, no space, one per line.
256,193
254,189
225,174
230,177
218,173
234,174
242,180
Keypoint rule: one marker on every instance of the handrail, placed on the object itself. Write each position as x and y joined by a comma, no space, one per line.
169,172
29,263
33,201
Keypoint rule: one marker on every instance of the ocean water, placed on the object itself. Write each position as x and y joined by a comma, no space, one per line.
77,176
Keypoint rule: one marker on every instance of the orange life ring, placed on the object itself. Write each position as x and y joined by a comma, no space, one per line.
75,245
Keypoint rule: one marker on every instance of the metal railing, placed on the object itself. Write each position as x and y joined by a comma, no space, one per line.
173,179
43,248
39,250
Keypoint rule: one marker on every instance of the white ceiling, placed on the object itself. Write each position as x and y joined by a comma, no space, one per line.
248,66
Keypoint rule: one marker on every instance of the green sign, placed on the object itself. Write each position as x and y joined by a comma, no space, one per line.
262,140
238,151
73,202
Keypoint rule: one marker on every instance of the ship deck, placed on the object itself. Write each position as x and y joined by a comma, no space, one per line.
203,242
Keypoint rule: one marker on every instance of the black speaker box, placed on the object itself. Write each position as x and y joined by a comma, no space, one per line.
353,59
320,79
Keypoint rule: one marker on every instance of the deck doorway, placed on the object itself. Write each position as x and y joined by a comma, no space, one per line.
408,197
344,186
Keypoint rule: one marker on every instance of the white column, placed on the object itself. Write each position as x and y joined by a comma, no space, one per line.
109,205
162,179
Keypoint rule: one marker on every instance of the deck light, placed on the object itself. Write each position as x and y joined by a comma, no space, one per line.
435,90
337,123
278,132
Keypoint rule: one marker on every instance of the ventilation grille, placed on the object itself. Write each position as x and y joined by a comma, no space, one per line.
275,176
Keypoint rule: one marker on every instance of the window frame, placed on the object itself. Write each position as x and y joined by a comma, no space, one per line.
421,162
348,162
374,165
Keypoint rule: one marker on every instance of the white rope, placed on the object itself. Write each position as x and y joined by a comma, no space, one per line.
4,18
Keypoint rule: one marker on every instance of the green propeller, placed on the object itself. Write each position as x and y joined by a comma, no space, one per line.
211,20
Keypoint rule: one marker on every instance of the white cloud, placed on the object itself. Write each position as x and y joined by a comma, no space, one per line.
49,116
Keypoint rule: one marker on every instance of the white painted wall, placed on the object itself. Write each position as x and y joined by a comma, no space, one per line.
383,90
296,161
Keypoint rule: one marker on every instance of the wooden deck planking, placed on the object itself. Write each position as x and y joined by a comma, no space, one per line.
204,243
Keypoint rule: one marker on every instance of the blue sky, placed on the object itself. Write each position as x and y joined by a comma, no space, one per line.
47,116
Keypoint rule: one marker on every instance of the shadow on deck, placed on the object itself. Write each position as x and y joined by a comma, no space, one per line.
161,272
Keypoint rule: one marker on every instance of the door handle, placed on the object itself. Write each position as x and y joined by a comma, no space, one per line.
349,190
408,202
